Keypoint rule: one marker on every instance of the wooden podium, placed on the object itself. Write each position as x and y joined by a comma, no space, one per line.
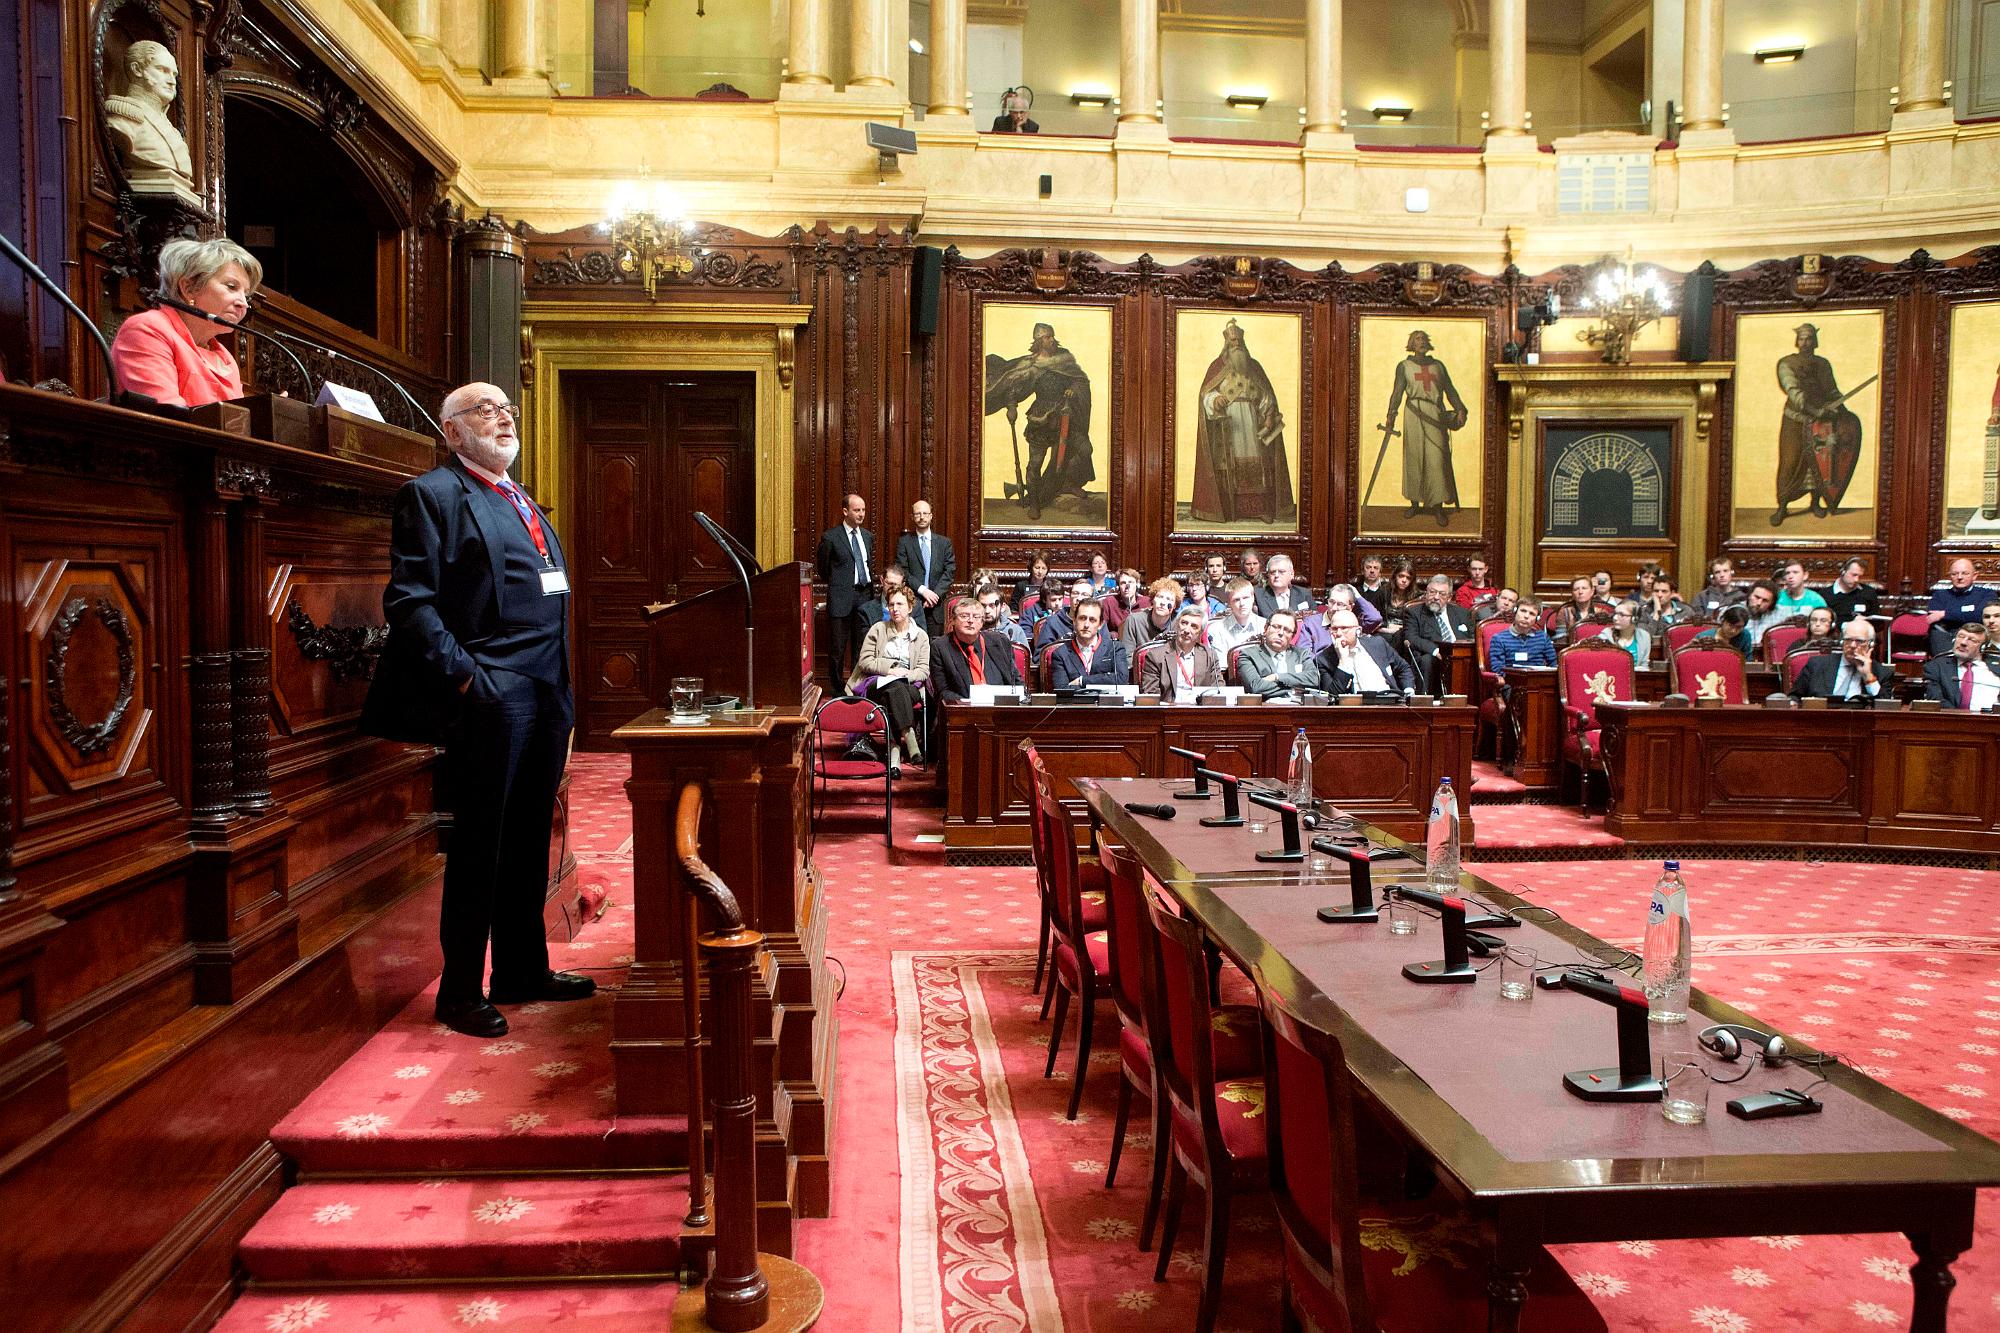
755,831
324,430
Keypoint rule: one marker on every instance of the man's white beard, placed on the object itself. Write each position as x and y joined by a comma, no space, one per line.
491,454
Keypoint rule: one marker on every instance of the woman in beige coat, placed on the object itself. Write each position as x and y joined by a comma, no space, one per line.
893,669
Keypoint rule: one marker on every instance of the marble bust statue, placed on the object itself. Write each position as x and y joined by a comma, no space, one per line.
153,152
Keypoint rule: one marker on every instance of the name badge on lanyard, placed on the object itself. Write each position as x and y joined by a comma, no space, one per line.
554,581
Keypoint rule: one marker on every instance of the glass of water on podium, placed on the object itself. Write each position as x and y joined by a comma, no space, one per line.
685,698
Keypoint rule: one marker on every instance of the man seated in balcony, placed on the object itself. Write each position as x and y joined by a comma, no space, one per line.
1849,597
1522,644
1089,656
1795,598
1965,678
1372,587
1274,667
1354,665
1184,667
1848,674
1241,625
1959,601
1013,117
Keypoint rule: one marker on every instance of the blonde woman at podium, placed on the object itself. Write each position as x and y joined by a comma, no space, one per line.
175,356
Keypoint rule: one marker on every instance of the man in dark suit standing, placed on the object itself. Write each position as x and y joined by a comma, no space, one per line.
970,655
478,659
928,559
1437,622
846,563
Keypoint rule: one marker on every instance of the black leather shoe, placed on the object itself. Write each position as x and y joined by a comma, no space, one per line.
475,1018
556,986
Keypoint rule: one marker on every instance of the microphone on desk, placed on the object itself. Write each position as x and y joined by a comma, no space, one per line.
1154,811
160,298
1632,1079
116,394
1199,762
1232,812
1291,851
1456,967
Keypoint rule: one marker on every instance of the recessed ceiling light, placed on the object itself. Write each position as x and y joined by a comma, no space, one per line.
1090,97
1392,114
1778,55
1247,101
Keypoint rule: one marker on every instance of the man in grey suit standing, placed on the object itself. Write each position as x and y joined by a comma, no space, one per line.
927,557
846,563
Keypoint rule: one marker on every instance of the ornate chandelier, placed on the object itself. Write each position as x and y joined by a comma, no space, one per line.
649,237
1625,300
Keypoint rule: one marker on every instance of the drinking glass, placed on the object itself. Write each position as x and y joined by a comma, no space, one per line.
1517,972
1402,917
1687,1082
685,695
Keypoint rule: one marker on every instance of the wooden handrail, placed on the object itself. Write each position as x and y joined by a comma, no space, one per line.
687,850
738,1296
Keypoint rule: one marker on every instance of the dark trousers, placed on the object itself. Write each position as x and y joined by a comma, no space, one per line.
503,761
848,631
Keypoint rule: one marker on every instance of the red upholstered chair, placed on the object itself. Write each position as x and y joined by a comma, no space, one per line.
1681,635
1336,1283
1139,657
1794,663
1042,668
1589,630
1091,876
1910,639
1217,1123
1709,672
1021,662
1492,702
1082,954
835,724
1229,667
1588,674
1779,640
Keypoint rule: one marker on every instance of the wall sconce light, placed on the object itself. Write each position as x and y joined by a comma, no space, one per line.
1247,101
1778,55
916,47
1391,115
1090,97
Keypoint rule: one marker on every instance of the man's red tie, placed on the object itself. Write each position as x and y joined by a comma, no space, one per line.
1965,686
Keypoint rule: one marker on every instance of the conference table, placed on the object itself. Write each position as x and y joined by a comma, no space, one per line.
1475,1082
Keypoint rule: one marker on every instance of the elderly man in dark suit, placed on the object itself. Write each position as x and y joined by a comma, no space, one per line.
927,557
1964,678
1354,665
1847,674
846,564
1438,621
477,658
970,655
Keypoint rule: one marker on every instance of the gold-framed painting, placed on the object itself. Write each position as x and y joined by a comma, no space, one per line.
1807,426
1045,430
1972,423
1236,394
1422,408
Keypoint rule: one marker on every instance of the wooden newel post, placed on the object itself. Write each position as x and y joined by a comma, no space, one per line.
738,1295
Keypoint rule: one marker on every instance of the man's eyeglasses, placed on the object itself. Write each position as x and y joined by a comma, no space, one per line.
1859,643
489,411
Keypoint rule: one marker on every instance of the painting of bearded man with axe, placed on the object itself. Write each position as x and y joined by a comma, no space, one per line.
1044,397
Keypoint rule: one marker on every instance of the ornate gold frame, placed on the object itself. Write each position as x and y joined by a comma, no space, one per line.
558,337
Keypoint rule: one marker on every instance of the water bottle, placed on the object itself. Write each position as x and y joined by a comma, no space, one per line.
1669,948
1299,773
1441,841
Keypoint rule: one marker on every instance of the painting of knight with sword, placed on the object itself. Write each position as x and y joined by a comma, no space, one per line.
1819,440
1045,394
1432,410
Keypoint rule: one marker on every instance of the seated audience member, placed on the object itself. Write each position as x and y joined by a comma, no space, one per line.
1965,677
1374,589
999,620
177,358
1600,586
1404,589
1500,606
1989,616
1434,623
1198,594
1038,571
1848,597
1352,664
1848,674
1959,601
1186,665
893,669
1251,566
1125,600
1662,609
1013,117
1584,607
1089,656
969,655
1731,630
1762,610
1794,597
1215,571
1044,598
1156,621
1820,636
1722,590
1102,580
1274,666
877,609
1476,588
1348,596
1282,592
1649,574
1522,644
1056,625
1627,634
1241,624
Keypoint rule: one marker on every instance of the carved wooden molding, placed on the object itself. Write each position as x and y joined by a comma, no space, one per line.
88,738
348,650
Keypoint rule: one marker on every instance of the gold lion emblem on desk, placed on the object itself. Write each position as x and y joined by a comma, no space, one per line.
1711,686
1420,1239
1601,688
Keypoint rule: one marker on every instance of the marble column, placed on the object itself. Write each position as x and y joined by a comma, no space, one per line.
520,39
868,45
1139,62
1701,66
422,21
947,58
811,51
1920,75
1507,55
1323,94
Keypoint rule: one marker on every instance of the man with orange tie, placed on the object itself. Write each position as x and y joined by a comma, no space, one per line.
1964,678
970,655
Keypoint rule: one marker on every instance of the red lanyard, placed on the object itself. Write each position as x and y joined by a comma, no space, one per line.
1184,668
531,520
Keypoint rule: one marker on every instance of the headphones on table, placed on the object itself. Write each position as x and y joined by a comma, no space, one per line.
1730,1040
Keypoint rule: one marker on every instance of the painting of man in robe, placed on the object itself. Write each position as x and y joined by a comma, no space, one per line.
1237,378
1808,405
1048,375
1421,458
1972,423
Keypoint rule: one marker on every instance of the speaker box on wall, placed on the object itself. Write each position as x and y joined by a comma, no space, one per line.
1697,313
926,284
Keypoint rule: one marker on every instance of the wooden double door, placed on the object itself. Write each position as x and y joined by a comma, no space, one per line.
646,452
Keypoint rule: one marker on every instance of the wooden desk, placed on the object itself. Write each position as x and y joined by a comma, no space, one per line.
1532,695
1842,777
1379,762
1533,1166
